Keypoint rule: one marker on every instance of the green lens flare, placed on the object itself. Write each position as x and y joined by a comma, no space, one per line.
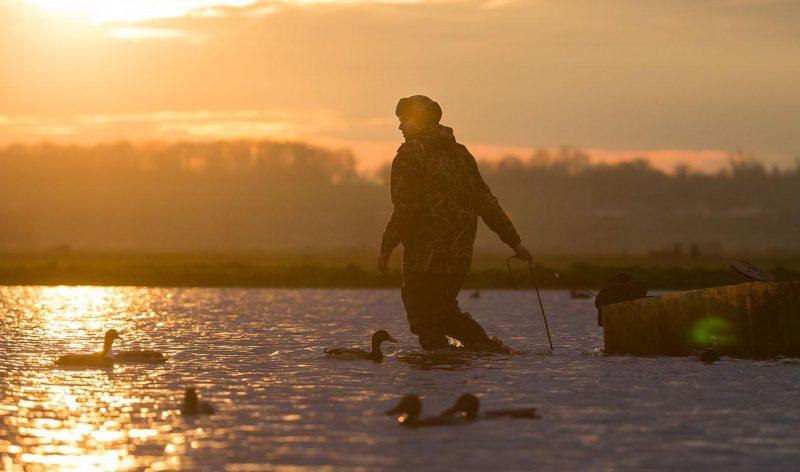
713,332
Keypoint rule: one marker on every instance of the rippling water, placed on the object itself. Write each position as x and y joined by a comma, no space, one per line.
258,356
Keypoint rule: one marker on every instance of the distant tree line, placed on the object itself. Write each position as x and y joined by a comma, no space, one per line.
264,195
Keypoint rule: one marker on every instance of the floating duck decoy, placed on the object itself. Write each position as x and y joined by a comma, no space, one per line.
193,406
708,355
137,356
104,358
354,353
410,409
468,405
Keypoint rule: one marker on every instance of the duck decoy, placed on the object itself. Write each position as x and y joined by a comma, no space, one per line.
354,353
152,357
137,356
708,355
410,409
467,405
193,406
104,358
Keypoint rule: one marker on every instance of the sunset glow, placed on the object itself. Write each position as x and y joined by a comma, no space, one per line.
236,232
132,11
649,79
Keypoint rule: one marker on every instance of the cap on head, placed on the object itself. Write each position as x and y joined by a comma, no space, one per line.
419,107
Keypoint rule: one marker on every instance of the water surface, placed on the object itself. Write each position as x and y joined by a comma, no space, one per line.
257,354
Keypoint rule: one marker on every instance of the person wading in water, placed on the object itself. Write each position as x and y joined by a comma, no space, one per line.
438,194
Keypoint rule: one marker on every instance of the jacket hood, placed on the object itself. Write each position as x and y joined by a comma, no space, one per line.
436,133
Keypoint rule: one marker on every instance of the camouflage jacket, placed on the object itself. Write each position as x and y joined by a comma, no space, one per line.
438,194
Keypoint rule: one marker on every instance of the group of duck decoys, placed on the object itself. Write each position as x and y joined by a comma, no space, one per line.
108,357
464,410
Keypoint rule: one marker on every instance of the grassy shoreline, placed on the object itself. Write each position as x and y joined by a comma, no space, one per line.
354,270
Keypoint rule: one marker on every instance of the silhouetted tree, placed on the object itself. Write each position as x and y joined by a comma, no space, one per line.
266,195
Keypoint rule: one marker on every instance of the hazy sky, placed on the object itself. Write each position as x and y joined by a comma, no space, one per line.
691,78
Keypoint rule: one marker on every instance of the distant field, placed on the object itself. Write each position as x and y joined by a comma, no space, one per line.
355,269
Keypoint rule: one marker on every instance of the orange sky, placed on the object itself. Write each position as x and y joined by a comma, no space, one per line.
673,80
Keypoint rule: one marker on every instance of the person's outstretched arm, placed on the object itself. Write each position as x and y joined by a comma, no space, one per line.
492,213
403,183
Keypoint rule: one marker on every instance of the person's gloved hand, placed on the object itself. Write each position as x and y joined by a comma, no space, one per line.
523,253
383,263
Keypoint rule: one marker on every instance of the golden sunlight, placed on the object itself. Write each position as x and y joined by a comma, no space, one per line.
132,11
67,310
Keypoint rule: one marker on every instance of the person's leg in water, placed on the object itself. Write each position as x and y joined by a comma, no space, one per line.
460,325
424,297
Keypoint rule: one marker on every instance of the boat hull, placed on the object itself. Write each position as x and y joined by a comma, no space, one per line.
752,320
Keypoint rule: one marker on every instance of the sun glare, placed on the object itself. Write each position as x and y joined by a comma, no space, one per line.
131,11
67,310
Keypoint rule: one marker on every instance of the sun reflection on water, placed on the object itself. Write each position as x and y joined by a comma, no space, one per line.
67,311
78,419
257,356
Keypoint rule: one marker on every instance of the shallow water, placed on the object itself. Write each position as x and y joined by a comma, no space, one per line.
257,354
